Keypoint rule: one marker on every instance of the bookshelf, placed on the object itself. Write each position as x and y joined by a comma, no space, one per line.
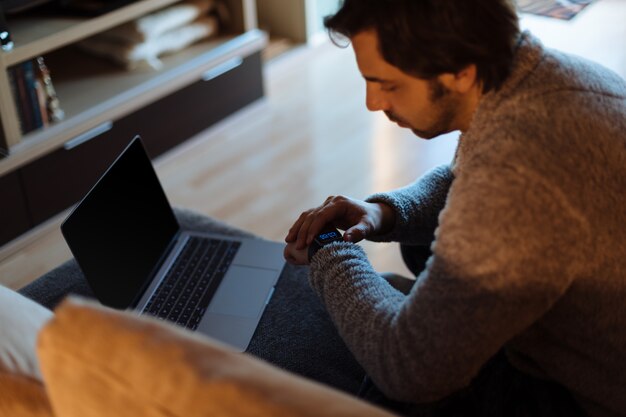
53,36
195,86
35,36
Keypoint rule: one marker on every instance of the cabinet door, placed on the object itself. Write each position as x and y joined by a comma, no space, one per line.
13,213
59,180
3,142
186,112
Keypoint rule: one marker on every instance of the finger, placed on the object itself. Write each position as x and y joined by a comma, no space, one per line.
287,254
356,233
292,260
303,233
324,218
294,256
293,231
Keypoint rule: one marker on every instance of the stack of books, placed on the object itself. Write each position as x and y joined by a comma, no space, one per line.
35,97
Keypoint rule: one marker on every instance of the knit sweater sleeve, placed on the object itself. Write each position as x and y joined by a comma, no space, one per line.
417,207
497,266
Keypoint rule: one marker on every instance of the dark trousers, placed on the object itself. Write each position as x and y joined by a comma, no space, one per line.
498,390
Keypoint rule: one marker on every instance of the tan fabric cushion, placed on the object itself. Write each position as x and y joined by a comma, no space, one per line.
21,396
99,362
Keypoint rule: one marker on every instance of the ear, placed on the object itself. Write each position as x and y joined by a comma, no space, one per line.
462,81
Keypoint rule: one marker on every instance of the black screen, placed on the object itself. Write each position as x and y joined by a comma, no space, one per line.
121,229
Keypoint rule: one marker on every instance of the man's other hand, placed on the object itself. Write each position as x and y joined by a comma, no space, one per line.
359,219
296,256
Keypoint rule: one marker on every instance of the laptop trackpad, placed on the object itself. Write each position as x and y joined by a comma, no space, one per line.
243,292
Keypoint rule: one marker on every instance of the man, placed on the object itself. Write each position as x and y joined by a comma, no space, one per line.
520,308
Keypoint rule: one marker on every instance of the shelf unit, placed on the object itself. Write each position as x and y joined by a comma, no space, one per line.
47,170
115,91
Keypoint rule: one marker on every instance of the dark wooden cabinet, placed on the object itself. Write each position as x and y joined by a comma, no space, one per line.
3,151
45,187
179,116
60,179
14,218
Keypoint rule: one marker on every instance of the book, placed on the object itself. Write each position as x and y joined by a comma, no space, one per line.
35,97
15,93
42,101
31,94
52,105
22,99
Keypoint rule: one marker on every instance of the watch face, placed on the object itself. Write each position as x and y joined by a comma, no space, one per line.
327,237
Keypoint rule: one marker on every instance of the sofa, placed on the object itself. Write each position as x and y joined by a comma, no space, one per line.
62,354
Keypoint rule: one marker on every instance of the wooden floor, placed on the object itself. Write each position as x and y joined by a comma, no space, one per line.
309,138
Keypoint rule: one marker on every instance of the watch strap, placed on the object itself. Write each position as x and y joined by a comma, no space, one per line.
322,239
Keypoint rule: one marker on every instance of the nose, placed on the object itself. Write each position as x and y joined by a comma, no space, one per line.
374,99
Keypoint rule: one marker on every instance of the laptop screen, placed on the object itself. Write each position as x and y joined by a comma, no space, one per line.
119,232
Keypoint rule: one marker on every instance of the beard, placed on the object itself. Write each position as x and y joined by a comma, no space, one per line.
444,105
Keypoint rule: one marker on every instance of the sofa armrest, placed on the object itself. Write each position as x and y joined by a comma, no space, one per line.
21,396
101,362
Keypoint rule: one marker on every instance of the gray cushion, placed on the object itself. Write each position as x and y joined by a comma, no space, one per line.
290,333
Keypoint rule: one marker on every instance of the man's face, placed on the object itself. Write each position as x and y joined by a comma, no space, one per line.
427,107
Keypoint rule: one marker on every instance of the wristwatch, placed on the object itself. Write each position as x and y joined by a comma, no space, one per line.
323,239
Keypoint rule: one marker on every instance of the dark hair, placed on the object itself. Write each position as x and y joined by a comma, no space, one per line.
425,38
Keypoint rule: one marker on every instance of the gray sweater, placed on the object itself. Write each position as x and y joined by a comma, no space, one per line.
529,252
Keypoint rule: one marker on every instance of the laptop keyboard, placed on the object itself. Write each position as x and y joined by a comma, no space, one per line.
185,292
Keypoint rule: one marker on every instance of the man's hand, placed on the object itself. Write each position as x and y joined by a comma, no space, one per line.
296,256
359,219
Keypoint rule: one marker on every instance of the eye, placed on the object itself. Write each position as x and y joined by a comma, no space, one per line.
389,88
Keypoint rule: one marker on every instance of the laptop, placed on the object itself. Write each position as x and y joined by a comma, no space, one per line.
134,255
